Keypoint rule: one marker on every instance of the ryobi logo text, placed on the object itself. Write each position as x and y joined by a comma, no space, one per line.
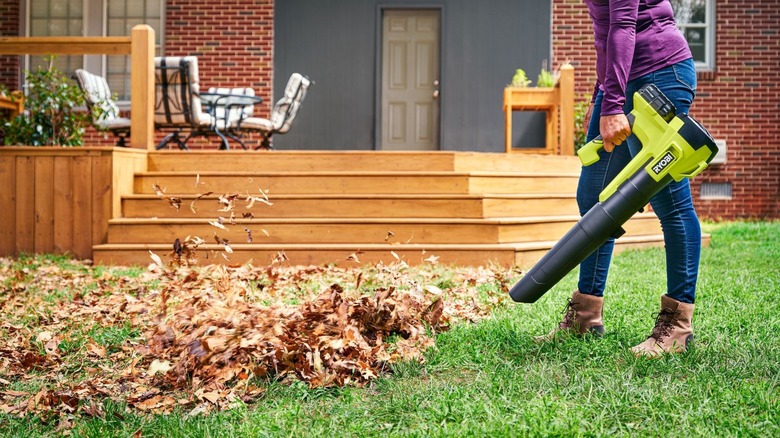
663,162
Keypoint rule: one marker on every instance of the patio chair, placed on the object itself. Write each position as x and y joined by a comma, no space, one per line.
177,103
282,115
102,108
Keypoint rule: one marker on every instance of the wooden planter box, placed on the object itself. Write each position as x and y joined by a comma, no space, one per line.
59,200
533,99
530,98
553,101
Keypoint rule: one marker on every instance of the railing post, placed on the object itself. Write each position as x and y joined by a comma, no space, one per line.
142,87
566,82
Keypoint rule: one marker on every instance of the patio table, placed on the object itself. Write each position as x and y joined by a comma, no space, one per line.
228,102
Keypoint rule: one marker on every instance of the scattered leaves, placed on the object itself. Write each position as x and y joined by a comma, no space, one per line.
173,200
204,335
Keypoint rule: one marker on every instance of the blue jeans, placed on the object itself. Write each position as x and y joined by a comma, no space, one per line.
673,204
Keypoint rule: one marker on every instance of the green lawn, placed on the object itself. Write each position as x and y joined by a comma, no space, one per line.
490,379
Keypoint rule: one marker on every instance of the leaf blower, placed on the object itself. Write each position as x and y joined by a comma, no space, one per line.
673,147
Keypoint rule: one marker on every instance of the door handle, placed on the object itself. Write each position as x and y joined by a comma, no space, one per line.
435,94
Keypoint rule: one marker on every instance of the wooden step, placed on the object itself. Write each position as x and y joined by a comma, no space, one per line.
180,183
508,182
358,231
361,206
487,162
356,161
507,255
343,207
310,254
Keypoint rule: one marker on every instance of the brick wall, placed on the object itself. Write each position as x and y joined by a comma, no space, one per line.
9,26
233,42
739,102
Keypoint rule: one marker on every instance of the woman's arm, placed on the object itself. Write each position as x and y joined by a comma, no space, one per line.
621,43
619,53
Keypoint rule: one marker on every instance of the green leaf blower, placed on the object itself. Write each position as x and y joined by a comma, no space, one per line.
673,147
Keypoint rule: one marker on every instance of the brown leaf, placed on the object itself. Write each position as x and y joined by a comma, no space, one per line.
433,313
52,346
157,260
175,202
217,224
159,366
96,350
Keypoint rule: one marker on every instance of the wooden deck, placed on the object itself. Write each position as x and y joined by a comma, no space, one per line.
354,207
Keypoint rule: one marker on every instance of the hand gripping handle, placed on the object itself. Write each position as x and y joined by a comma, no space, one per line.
589,153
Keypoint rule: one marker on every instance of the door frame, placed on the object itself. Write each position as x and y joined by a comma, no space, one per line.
404,5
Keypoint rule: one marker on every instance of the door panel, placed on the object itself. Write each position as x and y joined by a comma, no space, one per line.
410,78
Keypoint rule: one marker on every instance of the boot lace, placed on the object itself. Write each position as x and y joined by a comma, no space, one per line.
569,315
663,324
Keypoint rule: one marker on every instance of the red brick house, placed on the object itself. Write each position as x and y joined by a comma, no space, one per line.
258,43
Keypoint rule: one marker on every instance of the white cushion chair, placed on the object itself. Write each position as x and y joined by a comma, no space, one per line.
101,105
177,102
282,115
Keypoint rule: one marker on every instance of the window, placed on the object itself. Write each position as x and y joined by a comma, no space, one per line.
94,18
696,20
122,16
55,18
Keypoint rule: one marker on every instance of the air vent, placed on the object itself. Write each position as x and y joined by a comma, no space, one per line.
715,190
720,157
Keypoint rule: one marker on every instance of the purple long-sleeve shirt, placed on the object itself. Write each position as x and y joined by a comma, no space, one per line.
633,38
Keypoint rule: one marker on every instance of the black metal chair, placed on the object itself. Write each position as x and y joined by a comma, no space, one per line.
178,105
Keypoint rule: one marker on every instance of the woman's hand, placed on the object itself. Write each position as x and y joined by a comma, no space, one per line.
614,130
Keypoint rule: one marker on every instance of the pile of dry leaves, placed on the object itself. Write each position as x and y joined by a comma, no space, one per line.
201,338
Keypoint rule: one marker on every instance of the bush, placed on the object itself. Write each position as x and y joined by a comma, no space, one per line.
580,131
51,116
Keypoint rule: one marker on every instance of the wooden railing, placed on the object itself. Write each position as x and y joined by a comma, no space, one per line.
14,103
139,45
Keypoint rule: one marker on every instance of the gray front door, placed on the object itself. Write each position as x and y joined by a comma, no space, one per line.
410,79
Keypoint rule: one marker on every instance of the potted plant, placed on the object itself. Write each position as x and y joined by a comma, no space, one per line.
519,93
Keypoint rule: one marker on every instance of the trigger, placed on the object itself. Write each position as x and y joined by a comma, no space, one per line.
618,233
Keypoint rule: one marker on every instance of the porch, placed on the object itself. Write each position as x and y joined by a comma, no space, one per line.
115,205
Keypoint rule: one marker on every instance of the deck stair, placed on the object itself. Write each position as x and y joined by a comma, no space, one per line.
348,207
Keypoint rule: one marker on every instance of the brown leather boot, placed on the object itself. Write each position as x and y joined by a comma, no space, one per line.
582,315
673,331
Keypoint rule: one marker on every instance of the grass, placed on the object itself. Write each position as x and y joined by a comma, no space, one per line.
491,379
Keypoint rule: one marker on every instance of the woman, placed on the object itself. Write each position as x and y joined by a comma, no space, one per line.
637,43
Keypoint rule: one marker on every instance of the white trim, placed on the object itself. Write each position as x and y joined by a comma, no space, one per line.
709,26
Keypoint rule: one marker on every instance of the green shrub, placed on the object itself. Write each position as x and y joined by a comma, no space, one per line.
580,130
546,79
520,79
52,116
